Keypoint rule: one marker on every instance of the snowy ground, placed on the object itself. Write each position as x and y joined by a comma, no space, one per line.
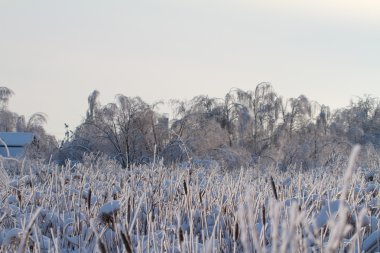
97,206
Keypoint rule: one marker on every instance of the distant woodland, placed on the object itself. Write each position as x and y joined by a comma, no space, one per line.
244,128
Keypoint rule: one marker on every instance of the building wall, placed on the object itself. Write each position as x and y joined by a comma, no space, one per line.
16,143
13,152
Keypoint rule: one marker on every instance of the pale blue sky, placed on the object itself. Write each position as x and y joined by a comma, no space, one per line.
54,53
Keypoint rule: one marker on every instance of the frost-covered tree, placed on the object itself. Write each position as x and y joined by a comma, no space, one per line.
195,129
259,117
128,130
93,104
360,121
8,119
5,95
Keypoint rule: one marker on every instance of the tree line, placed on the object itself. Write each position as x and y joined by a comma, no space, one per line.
241,129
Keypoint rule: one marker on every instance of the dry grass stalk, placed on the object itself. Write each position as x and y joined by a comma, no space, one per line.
26,232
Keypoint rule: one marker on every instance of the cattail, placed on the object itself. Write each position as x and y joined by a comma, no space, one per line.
180,235
19,197
264,222
89,199
181,238
236,234
127,242
263,216
201,193
273,188
129,209
185,186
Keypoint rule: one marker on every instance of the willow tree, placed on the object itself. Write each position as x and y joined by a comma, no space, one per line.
93,104
126,130
196,126
257,116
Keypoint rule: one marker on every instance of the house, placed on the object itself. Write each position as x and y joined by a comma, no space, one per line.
14,143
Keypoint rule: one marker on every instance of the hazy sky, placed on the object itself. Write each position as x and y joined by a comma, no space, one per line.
54,53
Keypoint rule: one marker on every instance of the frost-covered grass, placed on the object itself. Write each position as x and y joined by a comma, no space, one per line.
97,206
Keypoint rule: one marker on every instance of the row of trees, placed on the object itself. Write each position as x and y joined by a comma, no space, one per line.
242,128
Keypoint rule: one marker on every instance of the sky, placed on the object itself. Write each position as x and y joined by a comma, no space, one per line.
53,54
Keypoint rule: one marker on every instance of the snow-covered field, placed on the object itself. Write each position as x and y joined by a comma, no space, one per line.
97,206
